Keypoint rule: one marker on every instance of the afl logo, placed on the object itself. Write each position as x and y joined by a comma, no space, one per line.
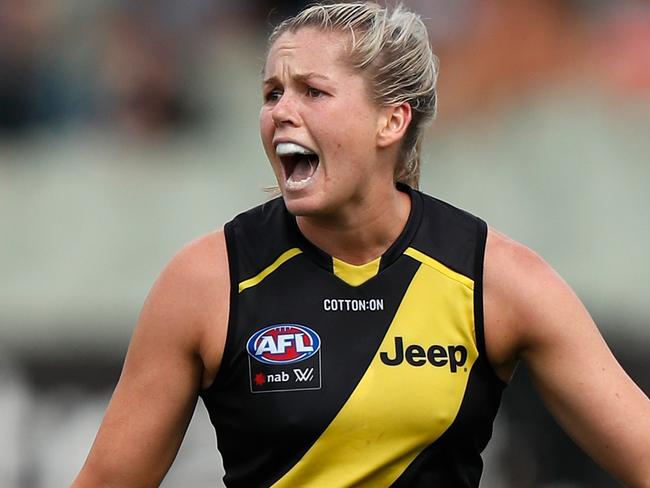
283,344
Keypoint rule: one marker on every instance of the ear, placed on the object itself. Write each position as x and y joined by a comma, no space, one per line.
393,123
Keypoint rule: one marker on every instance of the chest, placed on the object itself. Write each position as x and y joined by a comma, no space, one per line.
309,348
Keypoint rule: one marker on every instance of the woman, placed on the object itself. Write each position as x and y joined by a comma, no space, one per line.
356,331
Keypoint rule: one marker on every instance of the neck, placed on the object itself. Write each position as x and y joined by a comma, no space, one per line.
360,235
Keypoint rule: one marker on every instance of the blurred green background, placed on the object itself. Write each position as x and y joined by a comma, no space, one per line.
130,128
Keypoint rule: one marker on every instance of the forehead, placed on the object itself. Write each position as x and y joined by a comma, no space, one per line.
311,47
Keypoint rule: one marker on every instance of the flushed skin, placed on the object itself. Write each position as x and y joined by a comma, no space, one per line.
353,211
316,101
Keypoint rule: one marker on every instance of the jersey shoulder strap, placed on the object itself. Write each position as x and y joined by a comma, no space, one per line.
451,236
256,238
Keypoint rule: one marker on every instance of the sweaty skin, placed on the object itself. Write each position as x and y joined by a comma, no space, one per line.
352,210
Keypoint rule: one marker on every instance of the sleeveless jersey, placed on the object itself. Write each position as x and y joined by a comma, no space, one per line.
338,375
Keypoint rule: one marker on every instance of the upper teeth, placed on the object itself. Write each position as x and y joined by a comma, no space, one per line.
286,148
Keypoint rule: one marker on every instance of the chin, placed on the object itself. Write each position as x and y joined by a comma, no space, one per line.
300,207
304,205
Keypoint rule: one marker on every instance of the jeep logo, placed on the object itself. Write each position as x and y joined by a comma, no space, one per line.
416,355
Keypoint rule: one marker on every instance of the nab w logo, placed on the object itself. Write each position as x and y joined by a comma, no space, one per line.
283,344
303,375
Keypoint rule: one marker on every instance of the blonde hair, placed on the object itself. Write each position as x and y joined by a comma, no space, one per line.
391,48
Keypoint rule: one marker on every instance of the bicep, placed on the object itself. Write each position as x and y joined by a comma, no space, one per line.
149,411
579,378
151,407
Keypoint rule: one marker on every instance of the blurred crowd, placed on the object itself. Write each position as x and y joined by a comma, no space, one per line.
116,64
132,66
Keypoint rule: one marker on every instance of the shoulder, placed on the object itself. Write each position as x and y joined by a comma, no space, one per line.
199,266
257,237
449,214
251,220
512,269
191,294
453,236
526,302
522,282
256,225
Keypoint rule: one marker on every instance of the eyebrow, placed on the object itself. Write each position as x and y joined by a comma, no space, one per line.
299,76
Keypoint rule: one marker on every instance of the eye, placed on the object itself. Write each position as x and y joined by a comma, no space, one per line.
314,92
272,96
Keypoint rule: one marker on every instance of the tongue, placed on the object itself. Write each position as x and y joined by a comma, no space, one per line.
304,169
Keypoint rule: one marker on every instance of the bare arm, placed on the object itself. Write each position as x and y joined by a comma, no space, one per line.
532,314
176,347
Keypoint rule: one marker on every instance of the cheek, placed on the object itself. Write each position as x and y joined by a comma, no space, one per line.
266,135
353,139
266,129
264,121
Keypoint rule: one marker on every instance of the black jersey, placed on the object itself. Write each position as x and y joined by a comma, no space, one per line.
339,375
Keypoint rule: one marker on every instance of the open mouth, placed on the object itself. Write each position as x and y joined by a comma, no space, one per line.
298,162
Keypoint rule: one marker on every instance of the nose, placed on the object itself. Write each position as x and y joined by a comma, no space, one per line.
285,112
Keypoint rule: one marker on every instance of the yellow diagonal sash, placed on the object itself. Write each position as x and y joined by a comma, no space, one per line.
397,411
